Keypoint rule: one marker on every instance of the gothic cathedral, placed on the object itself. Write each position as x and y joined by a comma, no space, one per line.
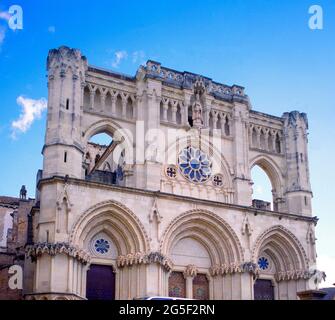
165,208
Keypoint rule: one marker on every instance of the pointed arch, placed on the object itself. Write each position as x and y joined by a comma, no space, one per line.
115,131
117,221
210,230
272,170
284,248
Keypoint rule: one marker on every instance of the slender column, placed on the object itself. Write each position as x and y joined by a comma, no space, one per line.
113,105
222,123
165,109
273,136
266,137
124,108
174,112
206,117
215,119
103,102
92,97
258,130
189,287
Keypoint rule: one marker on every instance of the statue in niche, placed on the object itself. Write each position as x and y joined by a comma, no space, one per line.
199,90
197,112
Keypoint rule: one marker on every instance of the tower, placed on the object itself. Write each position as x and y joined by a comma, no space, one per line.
298,190
62,150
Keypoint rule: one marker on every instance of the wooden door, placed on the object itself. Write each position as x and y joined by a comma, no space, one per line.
100,283
263,290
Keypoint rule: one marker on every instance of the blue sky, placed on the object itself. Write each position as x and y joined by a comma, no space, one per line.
265,46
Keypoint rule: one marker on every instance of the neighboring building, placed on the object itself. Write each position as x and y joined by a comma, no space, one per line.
14,217
182,221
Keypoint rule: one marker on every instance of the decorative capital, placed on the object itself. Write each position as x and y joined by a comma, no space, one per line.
190,271
250,267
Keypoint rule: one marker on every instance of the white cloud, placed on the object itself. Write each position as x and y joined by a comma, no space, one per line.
327,264
2,35
118,57
51,29
4,15
259,190
139,57
31,110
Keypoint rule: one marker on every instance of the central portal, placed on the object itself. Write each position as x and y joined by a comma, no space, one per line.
100,283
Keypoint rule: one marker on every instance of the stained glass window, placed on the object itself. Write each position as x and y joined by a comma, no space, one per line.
263,263
195,165
101,246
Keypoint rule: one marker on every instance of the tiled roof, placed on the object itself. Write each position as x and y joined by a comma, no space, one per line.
9,201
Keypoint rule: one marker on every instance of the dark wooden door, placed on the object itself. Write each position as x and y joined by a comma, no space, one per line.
100,283
263,290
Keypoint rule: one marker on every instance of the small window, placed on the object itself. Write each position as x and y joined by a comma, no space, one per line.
67,104
65,157
306,201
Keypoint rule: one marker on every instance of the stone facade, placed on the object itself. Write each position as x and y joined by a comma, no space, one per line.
172,194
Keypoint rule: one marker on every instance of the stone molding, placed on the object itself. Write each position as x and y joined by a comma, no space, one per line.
38,249
144,258
224,269
293,275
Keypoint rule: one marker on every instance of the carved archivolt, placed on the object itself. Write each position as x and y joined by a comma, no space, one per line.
117,216
285,246
53,249
213,232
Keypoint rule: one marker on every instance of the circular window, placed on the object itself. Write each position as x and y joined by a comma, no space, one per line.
263,263
101,246
171,171
195,165
218,180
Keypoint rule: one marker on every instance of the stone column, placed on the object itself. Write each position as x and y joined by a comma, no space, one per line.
165,109
174,112
103,101
113,105
190,273
124,108
92,97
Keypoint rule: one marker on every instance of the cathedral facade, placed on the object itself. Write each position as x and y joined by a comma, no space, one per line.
166,209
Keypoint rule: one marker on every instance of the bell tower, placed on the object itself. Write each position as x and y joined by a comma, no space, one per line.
298,190
62,150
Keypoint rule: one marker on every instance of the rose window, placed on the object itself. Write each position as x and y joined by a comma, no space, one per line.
263,263
195,165
101,246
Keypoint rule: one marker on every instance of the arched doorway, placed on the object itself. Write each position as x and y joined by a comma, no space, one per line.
263,290
100,283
